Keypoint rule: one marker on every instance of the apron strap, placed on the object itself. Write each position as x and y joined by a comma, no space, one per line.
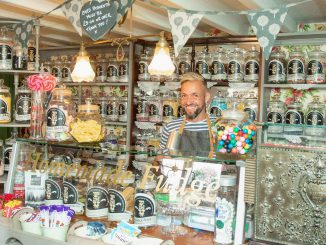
211,140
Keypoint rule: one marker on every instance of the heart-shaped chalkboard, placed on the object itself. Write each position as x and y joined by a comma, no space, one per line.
98,18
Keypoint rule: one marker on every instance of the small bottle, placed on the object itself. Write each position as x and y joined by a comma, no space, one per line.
225,210
23,104
31,54
5,103
202,64
294,116
275,115
315,116
5,49
218,65
296,67
235,66
277,67
251,66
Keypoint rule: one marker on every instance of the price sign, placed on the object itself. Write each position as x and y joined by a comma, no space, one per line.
98,18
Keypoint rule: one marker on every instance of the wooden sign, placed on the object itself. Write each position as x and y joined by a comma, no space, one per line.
98,18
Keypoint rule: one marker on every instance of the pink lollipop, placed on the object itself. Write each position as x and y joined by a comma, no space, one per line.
34,82
49,82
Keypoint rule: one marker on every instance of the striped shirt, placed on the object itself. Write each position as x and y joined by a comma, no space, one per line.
175,125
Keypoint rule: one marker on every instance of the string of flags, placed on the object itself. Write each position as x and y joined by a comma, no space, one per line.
98,17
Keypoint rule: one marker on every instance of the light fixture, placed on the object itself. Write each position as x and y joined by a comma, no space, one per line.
83,71
161,63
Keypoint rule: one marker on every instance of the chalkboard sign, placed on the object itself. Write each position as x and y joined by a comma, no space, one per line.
97,18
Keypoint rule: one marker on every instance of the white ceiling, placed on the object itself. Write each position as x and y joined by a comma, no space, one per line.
56,30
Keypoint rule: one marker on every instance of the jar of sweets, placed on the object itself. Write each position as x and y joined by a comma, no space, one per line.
276,67
235,66
296,67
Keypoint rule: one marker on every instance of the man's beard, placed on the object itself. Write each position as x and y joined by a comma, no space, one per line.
195,113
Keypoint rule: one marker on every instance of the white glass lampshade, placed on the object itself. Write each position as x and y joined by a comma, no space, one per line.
161,63
83,71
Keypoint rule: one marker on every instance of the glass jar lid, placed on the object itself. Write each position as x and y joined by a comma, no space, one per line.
62,91
3,87
24,88
88,107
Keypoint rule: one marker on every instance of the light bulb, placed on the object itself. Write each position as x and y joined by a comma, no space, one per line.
83,71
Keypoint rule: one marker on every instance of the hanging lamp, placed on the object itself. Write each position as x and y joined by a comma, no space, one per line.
83,71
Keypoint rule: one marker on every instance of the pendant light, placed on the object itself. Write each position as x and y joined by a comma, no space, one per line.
83,71
161,63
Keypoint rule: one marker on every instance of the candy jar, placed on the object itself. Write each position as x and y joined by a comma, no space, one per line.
100,69
217,105
294,116
174,76
142,108
144,62
121,199
87,126
102,102
145,205
316,67
112,108
296,67
56,68
23,104
251,66
124,70
184,64
170,106
315,116
235,66
155,108
112,72
141,147
54,183
46,66
202,64
66,69
153,146
6,49
181,110
234,132
5,103
111,143
59,115
123,108
31,53
19,61
97,197
218,65
251,106
276,67
275,115
225,210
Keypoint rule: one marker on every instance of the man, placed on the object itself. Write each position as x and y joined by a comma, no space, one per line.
194,128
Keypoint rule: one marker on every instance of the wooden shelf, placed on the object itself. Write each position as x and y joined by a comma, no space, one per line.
96,84
14,125
296,86
18,72
116,123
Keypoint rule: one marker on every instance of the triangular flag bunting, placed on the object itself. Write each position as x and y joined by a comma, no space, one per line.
72,11
122,7
23,32
183,25
267,25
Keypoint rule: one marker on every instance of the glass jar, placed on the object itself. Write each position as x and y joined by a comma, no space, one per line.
141,147
121,199
66,69
112,72
217,105
122,142
251,66
153,146
294,116
23,104
144,62
111,143
145,205
175,75
97,196
276,67
203,59
7,149
46,66
31,53
19,61
275,115
219,65
123,108
59,115
234,132
251,106
100,69
112,109
315,116
235,66
102,102
184,64
181,110
316,67
142,109
225,210
54,184
155,108
6,49
5,103
170,107
124,70
56,68
88,126
296,67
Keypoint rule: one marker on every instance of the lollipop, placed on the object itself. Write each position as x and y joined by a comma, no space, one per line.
34,82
